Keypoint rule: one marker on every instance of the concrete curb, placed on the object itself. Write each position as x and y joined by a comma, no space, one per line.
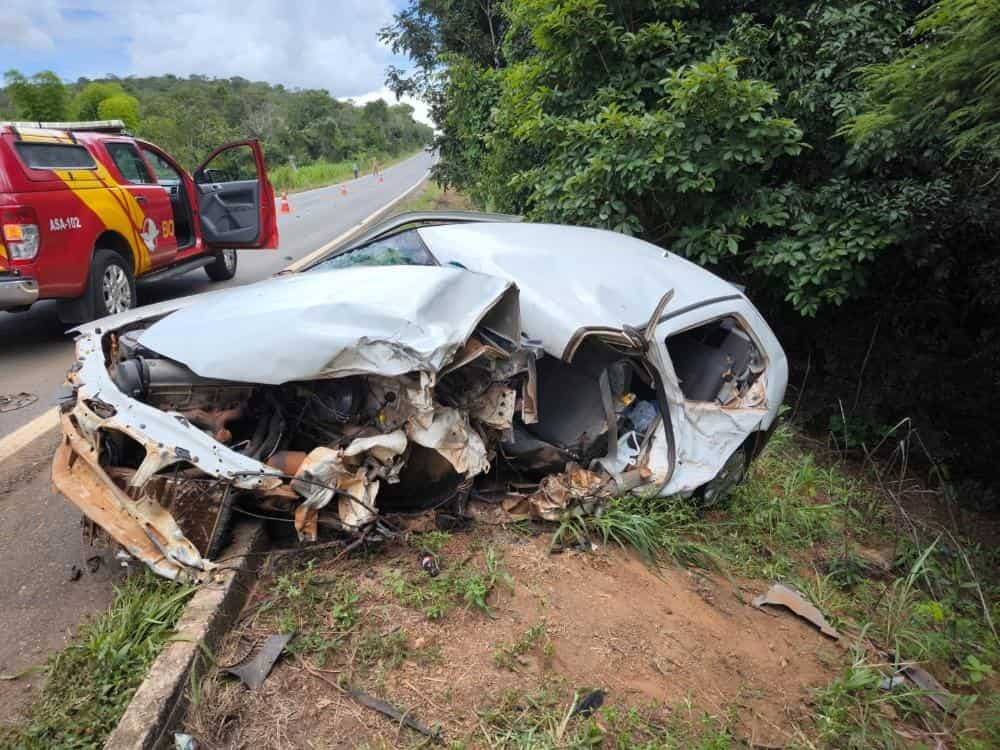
160,700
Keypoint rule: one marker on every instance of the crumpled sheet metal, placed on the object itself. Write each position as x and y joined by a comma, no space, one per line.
557,493
367,320
76,476
168,438
784,596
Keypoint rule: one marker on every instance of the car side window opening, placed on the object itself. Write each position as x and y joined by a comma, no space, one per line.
403,249
236,164
715,362
130,164
54,156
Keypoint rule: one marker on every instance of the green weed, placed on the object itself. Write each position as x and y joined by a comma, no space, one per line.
90,683
510,656
436,596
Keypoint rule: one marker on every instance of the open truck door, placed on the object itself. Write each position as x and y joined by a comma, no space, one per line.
235,198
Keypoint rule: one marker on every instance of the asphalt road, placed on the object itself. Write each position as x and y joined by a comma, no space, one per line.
40,543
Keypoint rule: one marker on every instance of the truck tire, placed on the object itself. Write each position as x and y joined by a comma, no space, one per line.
112,283
110,289
223,268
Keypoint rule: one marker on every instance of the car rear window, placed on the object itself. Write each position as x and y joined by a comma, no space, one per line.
54,156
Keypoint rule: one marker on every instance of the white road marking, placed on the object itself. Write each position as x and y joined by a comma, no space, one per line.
23,436
26,434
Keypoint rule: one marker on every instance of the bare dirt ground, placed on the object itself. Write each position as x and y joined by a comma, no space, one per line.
675,640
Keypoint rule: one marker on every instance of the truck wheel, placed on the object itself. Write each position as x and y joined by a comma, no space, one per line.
112,284
110,289
223,268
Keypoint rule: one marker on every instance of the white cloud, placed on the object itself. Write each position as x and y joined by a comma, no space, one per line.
421,112
26,24
298,43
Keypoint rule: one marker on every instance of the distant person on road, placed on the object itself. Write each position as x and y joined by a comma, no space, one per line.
354,167
376,169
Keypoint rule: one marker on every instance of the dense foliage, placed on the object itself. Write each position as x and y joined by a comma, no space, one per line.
947,83
721,128
191,116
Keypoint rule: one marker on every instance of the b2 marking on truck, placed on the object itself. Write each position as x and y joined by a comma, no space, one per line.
60,224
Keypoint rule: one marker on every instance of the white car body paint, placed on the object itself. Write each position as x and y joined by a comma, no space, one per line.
386,320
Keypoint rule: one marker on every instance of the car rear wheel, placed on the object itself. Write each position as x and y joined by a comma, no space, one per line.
223,268
716,490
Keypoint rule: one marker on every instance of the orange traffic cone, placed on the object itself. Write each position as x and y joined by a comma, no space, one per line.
343,189
285,208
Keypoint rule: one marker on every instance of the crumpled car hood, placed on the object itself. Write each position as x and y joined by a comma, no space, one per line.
384,320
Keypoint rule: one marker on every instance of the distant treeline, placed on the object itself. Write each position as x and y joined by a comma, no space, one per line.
190,116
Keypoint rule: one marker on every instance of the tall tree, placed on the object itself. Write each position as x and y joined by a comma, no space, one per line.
41,97
945,83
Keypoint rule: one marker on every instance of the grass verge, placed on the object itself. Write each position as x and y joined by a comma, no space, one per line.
323,173
89,684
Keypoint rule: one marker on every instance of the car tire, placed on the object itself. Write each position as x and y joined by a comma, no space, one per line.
715,491
223,268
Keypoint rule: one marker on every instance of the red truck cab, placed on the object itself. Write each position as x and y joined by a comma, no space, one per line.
86,210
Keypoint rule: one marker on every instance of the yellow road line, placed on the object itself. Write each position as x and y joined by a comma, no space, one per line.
26,434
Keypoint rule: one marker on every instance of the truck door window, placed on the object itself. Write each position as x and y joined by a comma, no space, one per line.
165,173
130,164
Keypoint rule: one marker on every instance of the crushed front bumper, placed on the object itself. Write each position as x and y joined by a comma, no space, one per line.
17,291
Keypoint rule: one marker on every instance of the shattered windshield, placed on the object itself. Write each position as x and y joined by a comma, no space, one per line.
403,249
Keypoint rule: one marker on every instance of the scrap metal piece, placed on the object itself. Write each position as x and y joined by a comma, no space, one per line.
928,683
253,672
781,595
377,704
14,401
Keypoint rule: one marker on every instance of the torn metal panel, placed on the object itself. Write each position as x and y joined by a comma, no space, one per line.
387,321
168,439
927,682
783,596
451,435
495,408
76,479
252,672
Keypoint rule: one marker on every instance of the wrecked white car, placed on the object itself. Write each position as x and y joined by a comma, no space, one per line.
453,361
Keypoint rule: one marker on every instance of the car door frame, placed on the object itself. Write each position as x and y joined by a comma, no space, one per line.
267,238
147,196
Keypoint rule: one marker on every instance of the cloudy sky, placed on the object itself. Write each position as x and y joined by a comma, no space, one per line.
302,43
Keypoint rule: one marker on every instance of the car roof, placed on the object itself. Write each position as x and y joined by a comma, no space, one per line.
575,277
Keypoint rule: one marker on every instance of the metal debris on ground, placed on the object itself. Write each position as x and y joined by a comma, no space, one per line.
781,595
184,741
14,401
429,563
253,672
589,703
377,704
928,683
